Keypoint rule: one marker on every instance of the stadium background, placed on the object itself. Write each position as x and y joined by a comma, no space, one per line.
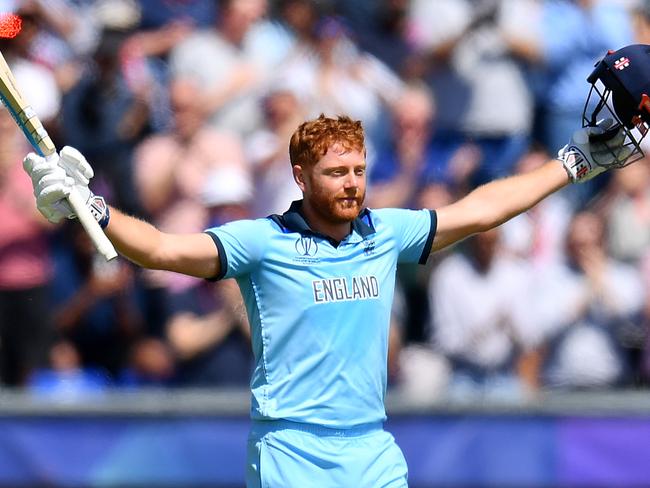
115,377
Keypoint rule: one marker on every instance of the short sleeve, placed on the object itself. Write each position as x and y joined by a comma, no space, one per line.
241,246
413,232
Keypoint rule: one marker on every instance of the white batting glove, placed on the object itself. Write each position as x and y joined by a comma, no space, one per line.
584,158
55,177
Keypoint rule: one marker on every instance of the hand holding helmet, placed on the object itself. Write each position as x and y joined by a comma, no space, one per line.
593,150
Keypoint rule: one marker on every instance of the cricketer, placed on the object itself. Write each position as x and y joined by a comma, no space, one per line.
318,283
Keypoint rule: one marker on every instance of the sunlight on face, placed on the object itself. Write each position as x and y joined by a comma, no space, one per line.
336,185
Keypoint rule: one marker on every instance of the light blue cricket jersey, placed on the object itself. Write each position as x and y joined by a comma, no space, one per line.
320,312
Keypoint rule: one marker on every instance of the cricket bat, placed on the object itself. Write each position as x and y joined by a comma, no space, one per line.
38,137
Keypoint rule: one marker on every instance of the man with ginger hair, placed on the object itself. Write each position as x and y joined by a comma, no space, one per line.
318,283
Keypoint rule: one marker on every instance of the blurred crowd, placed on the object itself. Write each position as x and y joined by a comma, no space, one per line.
185,108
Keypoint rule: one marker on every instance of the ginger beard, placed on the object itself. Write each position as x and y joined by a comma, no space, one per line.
339,208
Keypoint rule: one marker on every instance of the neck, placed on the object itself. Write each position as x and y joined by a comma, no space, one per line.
336,231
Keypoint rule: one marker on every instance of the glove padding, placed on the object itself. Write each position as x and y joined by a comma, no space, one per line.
55,177
586,156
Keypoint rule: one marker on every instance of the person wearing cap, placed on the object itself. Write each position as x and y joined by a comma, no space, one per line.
226,193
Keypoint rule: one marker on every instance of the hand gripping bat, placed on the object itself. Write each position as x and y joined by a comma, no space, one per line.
38,137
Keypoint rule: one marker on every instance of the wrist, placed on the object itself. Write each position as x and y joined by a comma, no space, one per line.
566,170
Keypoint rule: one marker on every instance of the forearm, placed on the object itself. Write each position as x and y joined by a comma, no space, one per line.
218,95
135,239
140,242
501,200
496,202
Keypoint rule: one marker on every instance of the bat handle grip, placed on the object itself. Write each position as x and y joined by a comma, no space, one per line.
101,242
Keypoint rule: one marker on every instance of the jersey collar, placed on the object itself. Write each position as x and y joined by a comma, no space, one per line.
294,220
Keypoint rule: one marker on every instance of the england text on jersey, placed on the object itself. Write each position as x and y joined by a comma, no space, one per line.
345,289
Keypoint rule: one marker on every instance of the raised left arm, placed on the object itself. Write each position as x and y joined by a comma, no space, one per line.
591,151
497,202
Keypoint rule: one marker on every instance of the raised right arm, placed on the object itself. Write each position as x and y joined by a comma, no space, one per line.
55,178
191,254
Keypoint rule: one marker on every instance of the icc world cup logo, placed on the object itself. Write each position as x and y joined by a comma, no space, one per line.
306,246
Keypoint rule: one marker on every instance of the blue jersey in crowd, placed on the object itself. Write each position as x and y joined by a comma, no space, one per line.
320,310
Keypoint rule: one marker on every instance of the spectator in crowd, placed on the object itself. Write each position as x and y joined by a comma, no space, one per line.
151,362
145,53
383,28
266,152
332,75
209,336
481,89
58,34
411,165
37,82
627,207
105,117
479,312
65,377
25,266
231,63
207,329
26,328
149,88
581,31
413,169
593,297
298,18
539,235
170,169
95,302
227,194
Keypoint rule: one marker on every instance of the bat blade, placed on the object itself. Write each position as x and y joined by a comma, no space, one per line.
39,139
22,112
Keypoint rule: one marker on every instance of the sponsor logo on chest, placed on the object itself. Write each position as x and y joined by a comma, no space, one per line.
345,289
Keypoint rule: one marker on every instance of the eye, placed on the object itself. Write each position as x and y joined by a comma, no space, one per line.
360,171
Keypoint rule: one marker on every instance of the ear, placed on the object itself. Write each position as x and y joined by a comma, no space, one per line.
299,176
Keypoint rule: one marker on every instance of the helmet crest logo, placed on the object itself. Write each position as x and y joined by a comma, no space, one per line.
621,63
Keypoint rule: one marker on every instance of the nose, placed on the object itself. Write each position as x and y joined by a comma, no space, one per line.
351,181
